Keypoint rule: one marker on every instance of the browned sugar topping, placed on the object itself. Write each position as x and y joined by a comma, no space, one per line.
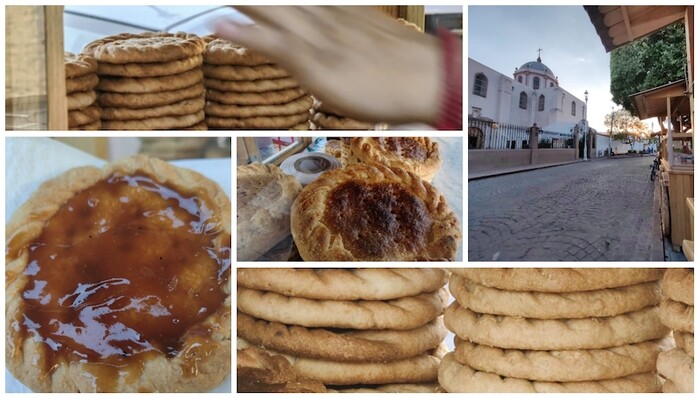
405,147
376,220
124,269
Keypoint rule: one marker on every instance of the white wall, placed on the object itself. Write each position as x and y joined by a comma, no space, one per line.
502,102
620,147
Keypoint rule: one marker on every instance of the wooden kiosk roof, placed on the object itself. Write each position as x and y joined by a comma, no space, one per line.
619,25
652,103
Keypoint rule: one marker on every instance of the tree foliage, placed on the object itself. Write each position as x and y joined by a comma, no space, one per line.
652,61
627,128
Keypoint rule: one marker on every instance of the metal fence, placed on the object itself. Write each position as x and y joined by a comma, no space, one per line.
495,136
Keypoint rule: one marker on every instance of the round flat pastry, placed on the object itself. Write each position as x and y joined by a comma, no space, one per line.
259,122
81,100
300,106
157,123
146,47
419,155
258,371
511,332
184,107
84,116
96,125
248,86
420,369
157,84
117,280
371,212
78,65
335,122
244,73
264,201
344,284
679,285
562,366
554,305
558,279
343,345
456,377
223,52
139,70
149,100
82,83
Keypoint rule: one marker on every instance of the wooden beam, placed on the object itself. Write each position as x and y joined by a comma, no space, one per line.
56,101
626,20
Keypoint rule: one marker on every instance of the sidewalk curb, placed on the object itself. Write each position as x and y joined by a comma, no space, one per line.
503,172
518,170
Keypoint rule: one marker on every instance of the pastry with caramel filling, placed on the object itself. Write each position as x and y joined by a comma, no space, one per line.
371,212
419,155
117,280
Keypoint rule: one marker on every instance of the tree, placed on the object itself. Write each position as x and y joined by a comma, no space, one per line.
655,60
627,128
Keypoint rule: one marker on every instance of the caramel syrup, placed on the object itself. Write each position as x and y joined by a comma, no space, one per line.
120,273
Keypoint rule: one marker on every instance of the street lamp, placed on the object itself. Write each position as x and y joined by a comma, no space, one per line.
612,119
585,128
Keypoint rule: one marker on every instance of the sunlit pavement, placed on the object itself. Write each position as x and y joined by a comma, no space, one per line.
589,211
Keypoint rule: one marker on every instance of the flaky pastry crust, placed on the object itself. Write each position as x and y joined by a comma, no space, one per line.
419,155
78,65
456,377
146,47
371,212
264,200
344,284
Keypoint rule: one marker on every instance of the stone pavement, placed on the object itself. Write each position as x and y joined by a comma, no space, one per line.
590,211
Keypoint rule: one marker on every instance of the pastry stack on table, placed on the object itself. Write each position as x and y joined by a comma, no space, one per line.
150,81
81,81
246,91
677,312
327,118
349,329
554,330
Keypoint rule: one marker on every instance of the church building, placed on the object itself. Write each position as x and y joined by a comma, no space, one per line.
532,95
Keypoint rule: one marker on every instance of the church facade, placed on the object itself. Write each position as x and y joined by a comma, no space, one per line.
532,95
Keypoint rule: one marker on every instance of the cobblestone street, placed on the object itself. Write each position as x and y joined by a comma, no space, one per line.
590,211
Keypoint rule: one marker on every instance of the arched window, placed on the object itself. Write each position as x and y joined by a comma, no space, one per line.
540,103
523,100
520,79
551,84
573,108
481,84
536,83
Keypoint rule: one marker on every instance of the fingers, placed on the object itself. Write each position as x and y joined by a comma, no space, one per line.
251,36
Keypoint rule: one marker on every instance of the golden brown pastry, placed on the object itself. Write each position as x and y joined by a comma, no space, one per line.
264,200
371,212
419,155
117,280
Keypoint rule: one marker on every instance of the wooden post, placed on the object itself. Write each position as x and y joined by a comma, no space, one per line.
669,133
56,102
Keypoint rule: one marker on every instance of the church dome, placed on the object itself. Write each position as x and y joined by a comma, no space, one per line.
536,66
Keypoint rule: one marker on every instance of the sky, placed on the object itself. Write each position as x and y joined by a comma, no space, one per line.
505,37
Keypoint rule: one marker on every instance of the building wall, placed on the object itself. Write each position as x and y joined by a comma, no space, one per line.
618,147
502,102
485,160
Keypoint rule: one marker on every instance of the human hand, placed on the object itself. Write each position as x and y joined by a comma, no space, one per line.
355,59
